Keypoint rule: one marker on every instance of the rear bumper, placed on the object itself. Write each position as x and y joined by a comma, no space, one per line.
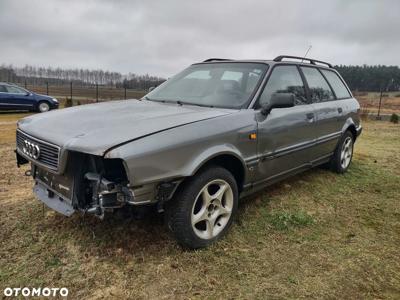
53,200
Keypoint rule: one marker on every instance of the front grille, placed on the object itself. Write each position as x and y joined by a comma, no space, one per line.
47,155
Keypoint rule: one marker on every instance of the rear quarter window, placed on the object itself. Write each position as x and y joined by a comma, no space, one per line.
337,84
319,88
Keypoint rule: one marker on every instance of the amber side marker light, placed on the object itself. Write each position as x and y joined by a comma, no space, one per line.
253,136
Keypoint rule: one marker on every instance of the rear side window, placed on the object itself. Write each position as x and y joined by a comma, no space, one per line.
319,88
284,79
337,84
14,90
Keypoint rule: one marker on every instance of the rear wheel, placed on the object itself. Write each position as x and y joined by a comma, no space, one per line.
203,210
43,106
343,154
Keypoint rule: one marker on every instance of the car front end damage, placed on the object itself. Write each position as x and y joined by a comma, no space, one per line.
86,183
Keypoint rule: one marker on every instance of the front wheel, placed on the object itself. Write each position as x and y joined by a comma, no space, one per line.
43,106
203,209
343,155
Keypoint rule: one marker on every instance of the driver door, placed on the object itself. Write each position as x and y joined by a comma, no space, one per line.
285,135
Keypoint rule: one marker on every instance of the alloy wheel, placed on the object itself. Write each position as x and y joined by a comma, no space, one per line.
43,107
346,153
212,209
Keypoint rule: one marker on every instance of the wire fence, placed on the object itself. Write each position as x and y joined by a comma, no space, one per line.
378,105
81,94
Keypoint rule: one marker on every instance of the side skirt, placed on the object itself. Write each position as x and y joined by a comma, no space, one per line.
260,185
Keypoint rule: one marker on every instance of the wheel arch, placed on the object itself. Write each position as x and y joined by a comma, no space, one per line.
228,160
350,125
352,129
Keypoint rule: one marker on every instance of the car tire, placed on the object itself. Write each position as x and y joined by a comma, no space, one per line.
203,208
343,154
43,106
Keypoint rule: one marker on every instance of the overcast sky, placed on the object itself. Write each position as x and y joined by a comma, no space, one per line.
162,37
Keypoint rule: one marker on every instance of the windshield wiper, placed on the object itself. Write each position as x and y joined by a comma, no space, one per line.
157,100
172,101
190,103
179,102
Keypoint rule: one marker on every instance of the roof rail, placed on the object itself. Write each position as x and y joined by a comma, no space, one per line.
216,59
312,61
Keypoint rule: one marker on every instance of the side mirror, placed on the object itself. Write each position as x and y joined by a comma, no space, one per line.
151,88
278,100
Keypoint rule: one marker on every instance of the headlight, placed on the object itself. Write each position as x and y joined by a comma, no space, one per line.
55,100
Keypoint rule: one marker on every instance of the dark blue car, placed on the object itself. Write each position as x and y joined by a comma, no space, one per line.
13,97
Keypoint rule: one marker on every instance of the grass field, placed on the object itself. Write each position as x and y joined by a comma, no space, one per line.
317,235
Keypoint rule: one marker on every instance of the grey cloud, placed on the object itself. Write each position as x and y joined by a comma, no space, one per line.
162,37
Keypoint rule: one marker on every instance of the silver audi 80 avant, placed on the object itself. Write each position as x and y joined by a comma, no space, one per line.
219,130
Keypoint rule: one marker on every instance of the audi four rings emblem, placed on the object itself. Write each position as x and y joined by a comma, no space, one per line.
31,149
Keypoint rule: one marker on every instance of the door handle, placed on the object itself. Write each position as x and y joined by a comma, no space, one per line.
310,116
340,110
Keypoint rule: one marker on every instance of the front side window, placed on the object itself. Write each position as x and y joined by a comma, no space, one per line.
319,88
15,90
336,84
284,79
227,85
3,89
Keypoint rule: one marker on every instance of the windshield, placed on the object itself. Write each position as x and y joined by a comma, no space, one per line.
227,85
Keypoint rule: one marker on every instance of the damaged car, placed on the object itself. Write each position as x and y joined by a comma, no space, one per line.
216,132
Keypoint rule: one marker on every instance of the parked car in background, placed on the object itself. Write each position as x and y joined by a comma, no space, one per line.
13,97
217,131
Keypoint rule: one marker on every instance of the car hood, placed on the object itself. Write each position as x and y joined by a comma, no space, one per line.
95,128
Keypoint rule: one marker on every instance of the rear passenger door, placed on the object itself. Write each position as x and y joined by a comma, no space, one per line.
285,135
328,110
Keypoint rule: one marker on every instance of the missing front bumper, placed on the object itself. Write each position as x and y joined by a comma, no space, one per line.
53,200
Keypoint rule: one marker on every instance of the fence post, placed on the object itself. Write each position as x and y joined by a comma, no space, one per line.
379,107
71,90
97,92
47,88
125,93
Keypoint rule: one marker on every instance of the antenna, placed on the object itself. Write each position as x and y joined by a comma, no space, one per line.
309,48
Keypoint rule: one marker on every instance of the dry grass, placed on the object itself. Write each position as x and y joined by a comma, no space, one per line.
317,235
370,102
8,122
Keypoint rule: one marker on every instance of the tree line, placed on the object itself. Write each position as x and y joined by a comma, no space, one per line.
32,75
371,78
359,78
